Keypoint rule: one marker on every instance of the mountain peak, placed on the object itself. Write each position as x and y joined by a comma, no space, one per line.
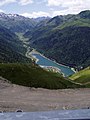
4,15
85,14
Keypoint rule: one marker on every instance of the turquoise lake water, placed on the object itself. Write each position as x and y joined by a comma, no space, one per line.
46,62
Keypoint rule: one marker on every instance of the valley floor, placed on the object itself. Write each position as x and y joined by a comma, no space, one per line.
13,97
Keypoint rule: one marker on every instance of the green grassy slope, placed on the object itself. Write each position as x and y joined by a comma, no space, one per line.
78,22
82,76
34,76
81,19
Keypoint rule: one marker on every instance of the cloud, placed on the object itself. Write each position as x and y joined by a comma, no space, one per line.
3,2
36,14
1,10
21,2
25,2
54,2
69,6
70,10
67,3
41,1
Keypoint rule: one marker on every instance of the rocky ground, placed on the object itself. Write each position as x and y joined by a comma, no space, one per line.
13,97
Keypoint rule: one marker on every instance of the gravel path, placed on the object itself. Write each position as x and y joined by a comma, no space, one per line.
13,97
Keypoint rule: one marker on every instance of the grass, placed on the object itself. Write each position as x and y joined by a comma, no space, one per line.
24,40
80,22
34,76
82,77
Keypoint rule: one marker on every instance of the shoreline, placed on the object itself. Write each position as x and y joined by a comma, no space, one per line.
73,70
46,67
53,69
36,52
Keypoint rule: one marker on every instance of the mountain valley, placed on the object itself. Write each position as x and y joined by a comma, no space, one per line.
64,39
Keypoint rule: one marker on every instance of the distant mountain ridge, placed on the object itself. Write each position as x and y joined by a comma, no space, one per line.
3,15
19,23
16,23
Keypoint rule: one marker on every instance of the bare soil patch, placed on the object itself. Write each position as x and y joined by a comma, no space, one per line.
13,97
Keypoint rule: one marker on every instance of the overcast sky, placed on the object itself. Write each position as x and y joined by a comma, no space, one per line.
38,8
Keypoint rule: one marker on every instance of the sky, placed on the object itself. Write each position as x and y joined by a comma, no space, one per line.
40,8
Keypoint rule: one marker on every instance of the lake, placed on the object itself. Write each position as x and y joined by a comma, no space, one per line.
43,61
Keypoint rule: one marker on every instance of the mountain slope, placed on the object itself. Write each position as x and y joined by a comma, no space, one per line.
34,76
11,49
60,22
64,39
69,46
82,76
16,23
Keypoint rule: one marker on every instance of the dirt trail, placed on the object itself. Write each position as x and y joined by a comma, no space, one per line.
13,97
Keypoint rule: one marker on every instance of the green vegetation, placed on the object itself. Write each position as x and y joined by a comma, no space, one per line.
65,39
69,46
33,76
78,22
11,48
24,40
82,77
62,38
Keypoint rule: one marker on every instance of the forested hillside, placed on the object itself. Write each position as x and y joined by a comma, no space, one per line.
11,49
65,39
69,46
